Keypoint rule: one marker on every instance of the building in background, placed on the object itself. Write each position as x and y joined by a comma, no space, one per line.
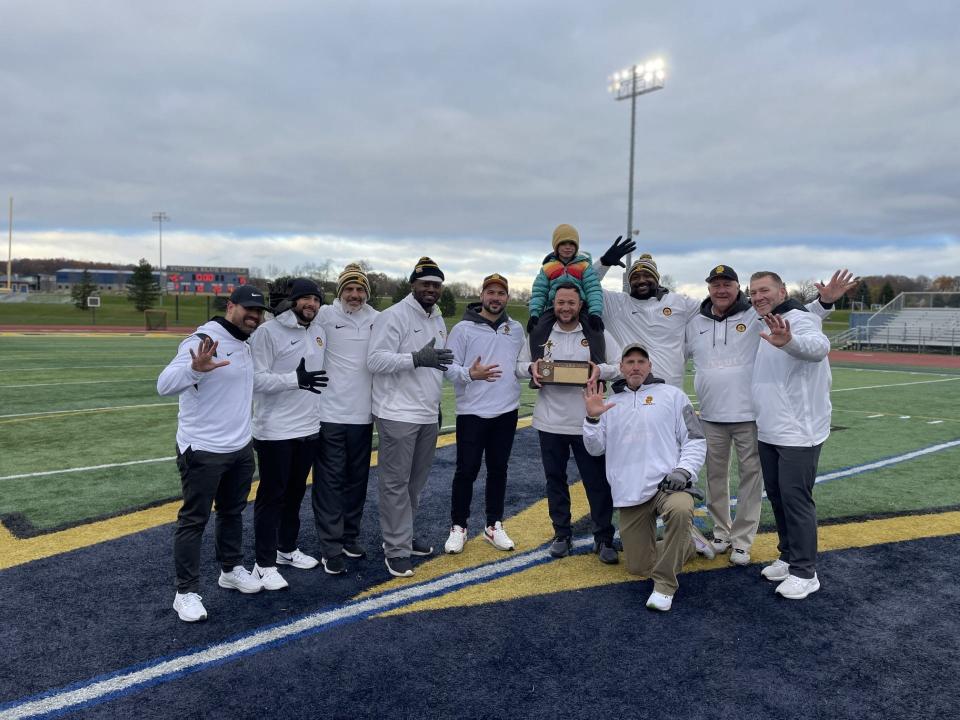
181,279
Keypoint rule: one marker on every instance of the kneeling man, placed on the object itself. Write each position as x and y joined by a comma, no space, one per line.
655,448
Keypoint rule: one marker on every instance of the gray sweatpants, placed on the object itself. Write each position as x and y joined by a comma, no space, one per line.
742,529
405,455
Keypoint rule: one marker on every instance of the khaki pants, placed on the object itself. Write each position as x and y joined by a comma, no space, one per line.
638,532
741,531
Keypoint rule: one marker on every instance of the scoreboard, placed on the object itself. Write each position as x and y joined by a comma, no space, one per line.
204,280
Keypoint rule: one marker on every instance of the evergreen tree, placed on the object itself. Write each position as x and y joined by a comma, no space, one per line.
82,290
143,290
886,294
402,290
448,303
863,295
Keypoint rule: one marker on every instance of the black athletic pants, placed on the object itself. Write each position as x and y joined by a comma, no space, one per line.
205,478
340,475
555,452
478,437
284,466
788,477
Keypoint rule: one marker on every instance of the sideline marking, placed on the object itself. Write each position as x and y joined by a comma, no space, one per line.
34,368
89,467
934,422
111,408
76,382
109,686
871,417
880,387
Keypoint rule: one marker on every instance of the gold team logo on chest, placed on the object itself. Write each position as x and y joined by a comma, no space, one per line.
741,327
319,342
648,400
506,329
585,342
668,312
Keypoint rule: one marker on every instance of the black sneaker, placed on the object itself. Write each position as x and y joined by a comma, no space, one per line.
608,555
399,566
561,547
334,565
420,549
353,549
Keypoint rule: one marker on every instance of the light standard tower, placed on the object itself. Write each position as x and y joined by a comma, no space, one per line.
160,218
635,80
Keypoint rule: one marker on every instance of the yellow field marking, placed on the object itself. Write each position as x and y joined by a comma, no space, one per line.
585,571
16,551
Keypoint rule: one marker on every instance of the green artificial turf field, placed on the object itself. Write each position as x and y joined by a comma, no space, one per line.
71,401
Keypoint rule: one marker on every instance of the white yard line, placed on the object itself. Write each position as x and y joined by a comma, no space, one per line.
87,410
77,367
78,382
880,387
84,469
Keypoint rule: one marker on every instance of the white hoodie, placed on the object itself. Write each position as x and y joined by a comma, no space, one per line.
281,410
214,406
791,385
349,397
474,338
647,434
401,391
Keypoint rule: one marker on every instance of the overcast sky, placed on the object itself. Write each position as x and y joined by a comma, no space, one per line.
793,137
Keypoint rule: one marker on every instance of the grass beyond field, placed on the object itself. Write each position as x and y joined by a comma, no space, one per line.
85,435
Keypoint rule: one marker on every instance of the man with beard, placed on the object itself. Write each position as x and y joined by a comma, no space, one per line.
213,375
287,359
654,448
407,358
791,396
484,343
649,314
722,339
558,418
342,467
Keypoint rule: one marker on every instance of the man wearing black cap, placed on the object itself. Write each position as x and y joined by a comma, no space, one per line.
287,360
213,375
654,448
723,339
407,359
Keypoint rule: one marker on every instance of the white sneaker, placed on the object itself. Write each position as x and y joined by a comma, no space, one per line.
659,601
270,578
454,543
189,607
239,579
796,588
700,542
720,546
297,559
498,537
776,571
740,557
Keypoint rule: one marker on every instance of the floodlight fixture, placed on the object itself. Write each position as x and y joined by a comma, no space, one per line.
638,79
160,218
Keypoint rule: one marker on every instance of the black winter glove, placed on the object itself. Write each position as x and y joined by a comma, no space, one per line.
674,481
532,323
430,357
596,323
310,379
616,252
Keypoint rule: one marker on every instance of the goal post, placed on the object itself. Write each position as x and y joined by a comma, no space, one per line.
155,319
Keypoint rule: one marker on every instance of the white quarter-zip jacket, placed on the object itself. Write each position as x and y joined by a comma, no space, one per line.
401,391
494,343
559,408
791,385
349,397
724,352
659,324
647,434
214,411
281,410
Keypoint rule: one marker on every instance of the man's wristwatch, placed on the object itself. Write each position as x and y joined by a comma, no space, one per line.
593,420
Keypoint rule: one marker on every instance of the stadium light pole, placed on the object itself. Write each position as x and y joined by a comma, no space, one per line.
631,82
160,218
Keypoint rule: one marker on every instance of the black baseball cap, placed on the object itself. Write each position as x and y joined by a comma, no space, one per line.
723,271
249,297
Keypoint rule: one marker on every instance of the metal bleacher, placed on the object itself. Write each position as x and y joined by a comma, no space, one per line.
911,322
